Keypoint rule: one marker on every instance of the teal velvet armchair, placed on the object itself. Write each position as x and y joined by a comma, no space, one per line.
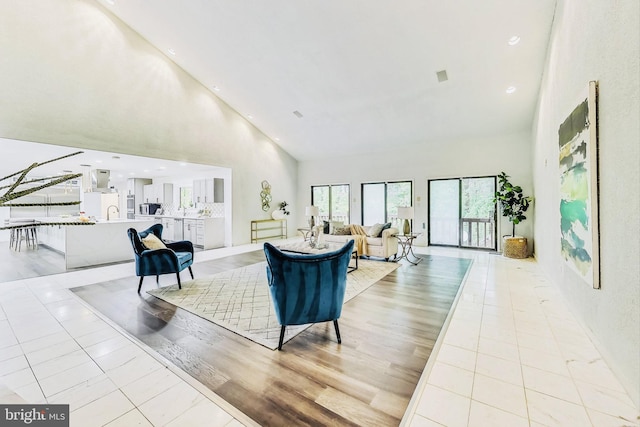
174,258
307,288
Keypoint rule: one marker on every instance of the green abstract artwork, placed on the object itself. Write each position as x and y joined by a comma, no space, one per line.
578,189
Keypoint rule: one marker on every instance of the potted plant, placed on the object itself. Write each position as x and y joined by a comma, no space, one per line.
513,204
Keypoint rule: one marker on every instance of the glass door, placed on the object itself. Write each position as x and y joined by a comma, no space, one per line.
462,212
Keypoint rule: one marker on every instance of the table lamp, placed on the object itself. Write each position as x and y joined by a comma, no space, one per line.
406,213
311,212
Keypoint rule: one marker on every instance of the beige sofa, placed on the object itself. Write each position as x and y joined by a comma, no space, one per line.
385,246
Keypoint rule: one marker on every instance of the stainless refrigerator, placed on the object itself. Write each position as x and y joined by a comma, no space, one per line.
57,194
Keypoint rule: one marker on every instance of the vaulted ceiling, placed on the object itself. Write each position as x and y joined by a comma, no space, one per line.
320,77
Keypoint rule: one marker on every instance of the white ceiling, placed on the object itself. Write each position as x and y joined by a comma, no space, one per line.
362,73
121,166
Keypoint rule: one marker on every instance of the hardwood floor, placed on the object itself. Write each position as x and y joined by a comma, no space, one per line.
388,333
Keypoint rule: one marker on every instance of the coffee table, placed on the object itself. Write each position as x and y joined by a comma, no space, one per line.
305,248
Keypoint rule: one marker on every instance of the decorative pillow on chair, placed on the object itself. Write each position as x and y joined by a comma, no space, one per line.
375,230
152,242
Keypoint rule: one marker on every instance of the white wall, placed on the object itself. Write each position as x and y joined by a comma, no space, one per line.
596,40
442,159
73,75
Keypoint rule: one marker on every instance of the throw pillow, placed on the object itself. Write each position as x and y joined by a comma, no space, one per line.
335,224
342,231
152,242
325,228
386,226
375,230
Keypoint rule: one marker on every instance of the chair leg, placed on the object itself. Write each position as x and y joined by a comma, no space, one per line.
191,272
281,337
179,284
157,279
335,323
140,284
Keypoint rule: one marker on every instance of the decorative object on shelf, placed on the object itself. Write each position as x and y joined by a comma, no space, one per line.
283,208
265,195
578,167
311,212
281,212
513,204
23,187
406,213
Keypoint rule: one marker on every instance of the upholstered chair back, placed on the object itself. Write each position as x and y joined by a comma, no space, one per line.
307,288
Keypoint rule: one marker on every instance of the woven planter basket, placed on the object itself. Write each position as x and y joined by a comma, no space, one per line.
515,247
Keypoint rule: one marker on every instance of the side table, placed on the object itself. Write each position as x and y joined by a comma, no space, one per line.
306,232
406,242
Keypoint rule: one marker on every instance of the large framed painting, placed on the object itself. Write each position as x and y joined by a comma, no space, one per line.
578,141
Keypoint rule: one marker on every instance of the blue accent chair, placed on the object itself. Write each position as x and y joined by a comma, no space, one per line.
307,288
154,262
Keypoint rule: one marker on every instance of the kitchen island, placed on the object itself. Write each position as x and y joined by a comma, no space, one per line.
103,242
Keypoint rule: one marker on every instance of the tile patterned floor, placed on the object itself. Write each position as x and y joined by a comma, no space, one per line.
512,355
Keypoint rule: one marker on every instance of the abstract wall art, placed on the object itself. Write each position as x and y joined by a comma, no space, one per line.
579,236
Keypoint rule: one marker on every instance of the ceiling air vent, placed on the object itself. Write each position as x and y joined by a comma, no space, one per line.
298,114
442,76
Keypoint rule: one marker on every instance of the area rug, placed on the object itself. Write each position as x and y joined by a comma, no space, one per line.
239,299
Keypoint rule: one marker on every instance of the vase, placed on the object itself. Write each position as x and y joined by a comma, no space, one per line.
277,214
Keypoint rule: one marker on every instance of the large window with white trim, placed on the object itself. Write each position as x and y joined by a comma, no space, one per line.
380,201
332,201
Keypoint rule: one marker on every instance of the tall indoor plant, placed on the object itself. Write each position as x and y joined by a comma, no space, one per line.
513,203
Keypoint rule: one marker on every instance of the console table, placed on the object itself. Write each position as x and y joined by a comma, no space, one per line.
266,229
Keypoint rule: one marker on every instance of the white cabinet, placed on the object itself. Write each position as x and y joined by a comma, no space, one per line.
102,205
168,227
158,193
190,226
210,190
200,191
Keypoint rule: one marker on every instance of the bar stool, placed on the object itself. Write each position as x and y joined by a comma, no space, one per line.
28,234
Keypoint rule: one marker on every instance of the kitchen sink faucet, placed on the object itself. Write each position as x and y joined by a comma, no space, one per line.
112,206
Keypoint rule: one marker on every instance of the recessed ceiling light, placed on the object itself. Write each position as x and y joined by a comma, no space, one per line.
511,89
216,88
249,116
183,164
111,2
514,40
98,161
276,139
171,51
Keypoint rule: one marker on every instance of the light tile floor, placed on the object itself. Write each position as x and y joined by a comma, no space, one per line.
512,355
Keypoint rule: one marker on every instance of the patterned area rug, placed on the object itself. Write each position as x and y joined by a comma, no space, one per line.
239,299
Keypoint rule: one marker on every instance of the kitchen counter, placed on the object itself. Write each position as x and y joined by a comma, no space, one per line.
204,232
102,242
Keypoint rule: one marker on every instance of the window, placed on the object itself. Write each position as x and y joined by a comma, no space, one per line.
380,201
186,197
462,212
332,201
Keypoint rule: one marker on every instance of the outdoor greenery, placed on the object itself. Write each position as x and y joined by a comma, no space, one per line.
513,203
